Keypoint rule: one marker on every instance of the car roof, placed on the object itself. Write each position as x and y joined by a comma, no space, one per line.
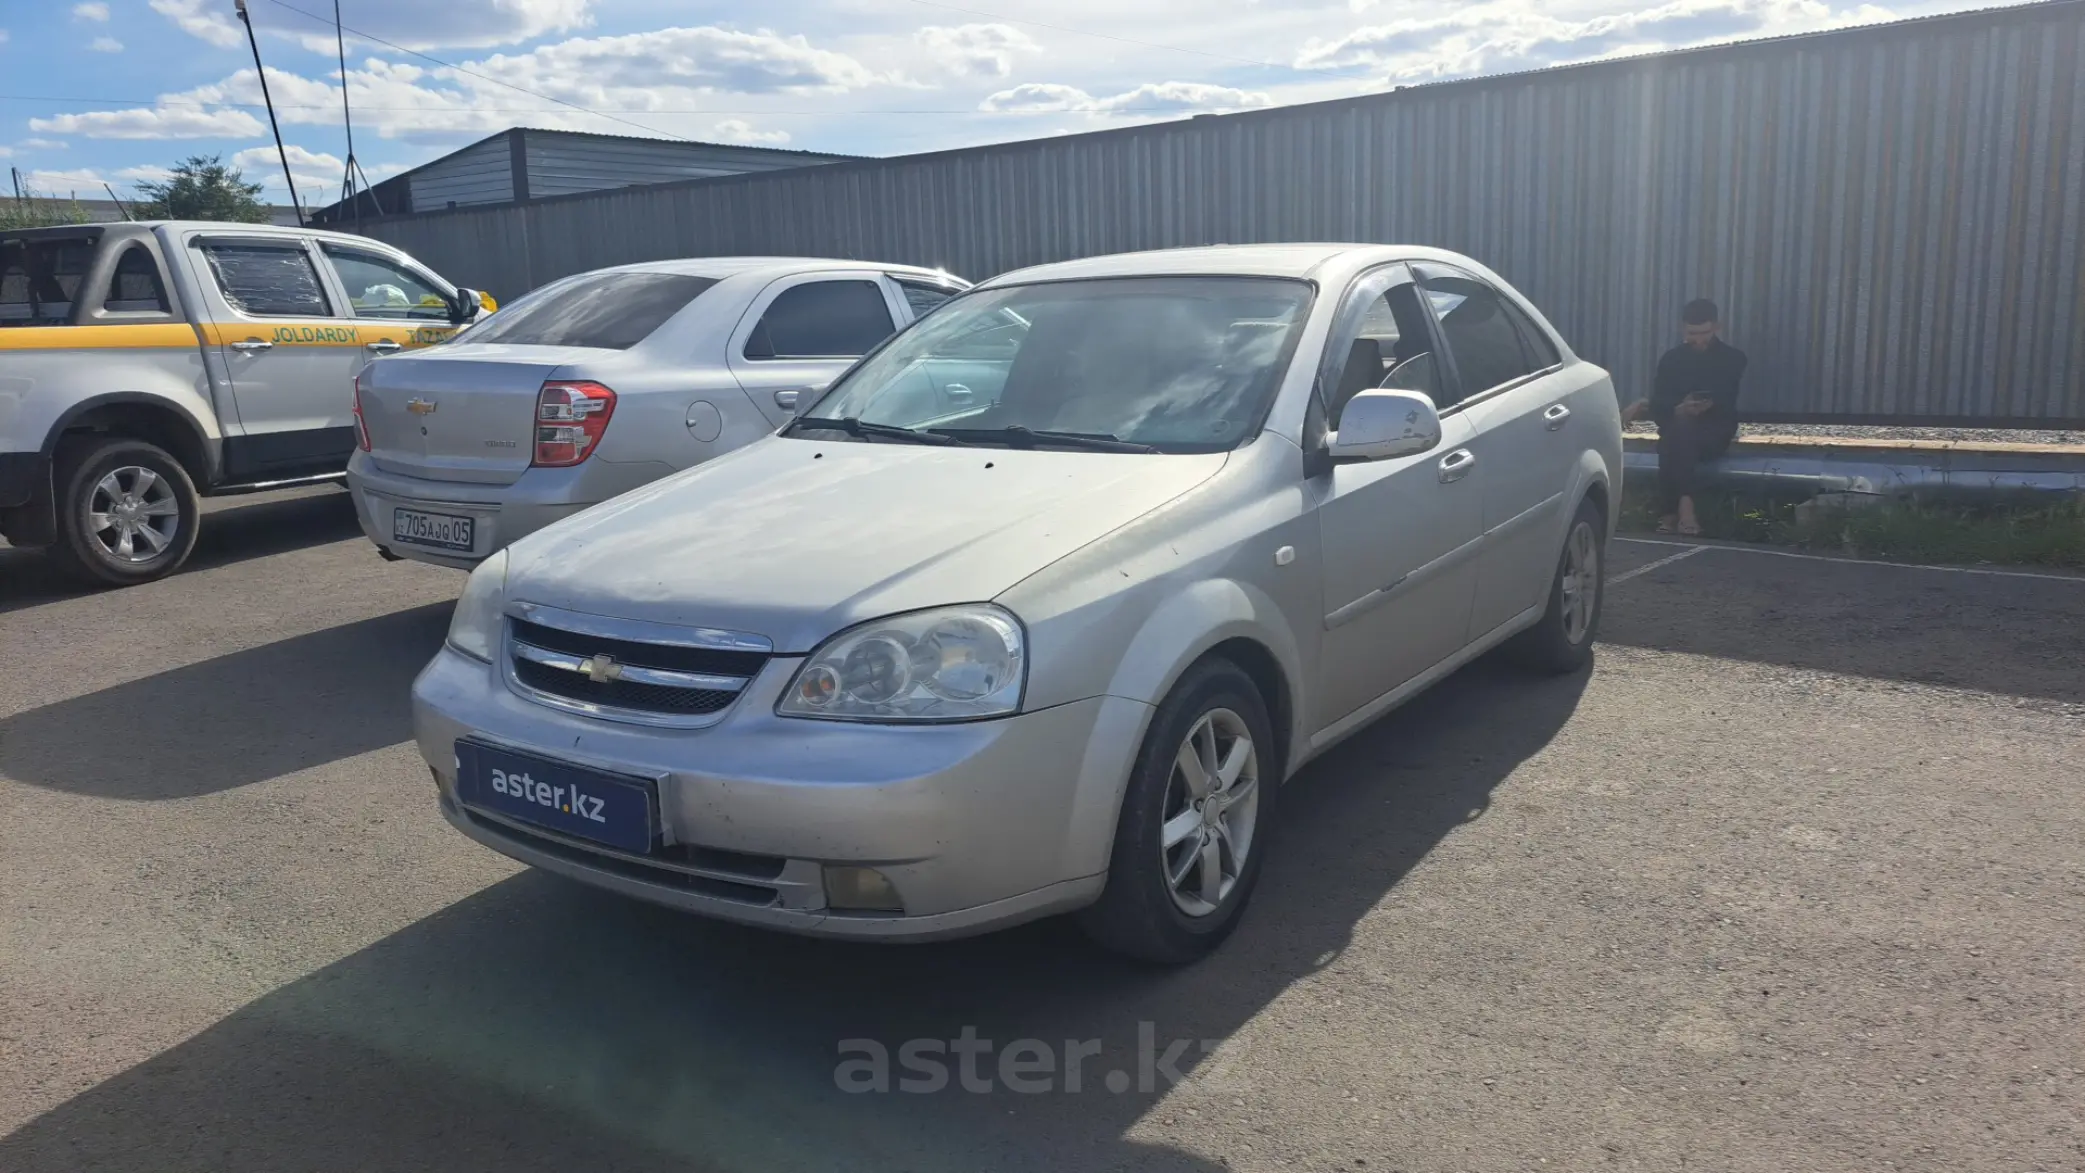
1304,261
721,267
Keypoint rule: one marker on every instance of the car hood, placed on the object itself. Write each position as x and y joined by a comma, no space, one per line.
796,539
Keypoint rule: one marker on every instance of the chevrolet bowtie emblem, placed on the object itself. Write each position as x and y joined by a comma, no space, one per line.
422,406
601,669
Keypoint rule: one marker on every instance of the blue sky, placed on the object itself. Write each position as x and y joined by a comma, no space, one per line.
116,90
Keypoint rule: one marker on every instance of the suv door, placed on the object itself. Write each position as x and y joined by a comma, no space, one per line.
1512,396
803,331
290,356
1399,536
396,306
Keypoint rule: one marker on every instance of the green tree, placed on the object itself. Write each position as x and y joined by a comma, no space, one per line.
203,188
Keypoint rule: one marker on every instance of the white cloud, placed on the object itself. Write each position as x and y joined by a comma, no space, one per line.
84,182
635,68
42,144
1518,34
149,172
160,123
976,50
201,19
96,12
106,45
738,130
6,152
1151,98
318,173
418,24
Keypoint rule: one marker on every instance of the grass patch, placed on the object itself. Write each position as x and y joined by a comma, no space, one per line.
2010,531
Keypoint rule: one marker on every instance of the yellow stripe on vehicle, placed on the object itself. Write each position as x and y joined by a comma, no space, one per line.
154,336
325,333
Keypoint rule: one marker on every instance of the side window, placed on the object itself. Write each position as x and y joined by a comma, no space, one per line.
135,286
822,319
1480,337
1534,339
1379,340
923,298
267,280
378,287
39,280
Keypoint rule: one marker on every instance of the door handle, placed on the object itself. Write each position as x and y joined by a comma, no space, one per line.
956,391
384,346
1457,465
1555,416
786,400
251,345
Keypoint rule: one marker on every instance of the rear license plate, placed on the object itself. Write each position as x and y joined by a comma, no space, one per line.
442,530
571,800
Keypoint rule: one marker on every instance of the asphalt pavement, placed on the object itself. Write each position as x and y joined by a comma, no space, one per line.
1794,879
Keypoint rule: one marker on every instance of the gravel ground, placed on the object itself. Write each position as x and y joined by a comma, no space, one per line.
1850,431
1793,879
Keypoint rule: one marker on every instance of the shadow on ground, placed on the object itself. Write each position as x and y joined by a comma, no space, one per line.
541,1026
2015,636
234,720
234,529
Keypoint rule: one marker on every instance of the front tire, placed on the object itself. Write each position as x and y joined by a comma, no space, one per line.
1562,640
127,512
1192,832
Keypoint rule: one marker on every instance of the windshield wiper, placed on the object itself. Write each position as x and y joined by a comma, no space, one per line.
853,426
1017,436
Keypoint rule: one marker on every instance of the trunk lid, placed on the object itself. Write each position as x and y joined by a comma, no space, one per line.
460,412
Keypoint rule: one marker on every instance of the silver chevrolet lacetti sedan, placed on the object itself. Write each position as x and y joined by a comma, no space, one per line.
929,662
598,383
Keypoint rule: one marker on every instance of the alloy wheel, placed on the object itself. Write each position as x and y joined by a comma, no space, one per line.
1211,811
1581,582
133,514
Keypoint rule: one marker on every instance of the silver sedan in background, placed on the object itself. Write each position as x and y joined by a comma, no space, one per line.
598,383
921,665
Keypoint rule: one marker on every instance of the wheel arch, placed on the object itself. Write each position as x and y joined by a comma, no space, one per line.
153,419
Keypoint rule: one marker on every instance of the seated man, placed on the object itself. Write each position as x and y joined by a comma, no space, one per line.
1694,403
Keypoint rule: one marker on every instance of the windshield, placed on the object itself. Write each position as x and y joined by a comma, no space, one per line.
1179,364
614,311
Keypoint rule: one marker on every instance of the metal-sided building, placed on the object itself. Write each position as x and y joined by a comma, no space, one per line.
1892,216
522,164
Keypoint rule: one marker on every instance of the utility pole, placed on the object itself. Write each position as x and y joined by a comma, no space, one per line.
347,122
296,207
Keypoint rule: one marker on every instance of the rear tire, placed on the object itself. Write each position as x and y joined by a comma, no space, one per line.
127,512
1165,901
1562,640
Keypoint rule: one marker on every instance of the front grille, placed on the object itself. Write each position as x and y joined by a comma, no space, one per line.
759,895
714,661
624,670
622,694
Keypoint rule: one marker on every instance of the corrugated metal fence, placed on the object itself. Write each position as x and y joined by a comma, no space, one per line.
1891,217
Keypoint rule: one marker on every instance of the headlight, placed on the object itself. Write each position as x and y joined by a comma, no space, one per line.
475,628
948,664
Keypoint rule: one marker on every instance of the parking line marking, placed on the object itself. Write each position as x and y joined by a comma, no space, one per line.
1693,548
1647,567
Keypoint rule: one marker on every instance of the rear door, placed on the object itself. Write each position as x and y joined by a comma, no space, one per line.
290,352
1511,393
802,331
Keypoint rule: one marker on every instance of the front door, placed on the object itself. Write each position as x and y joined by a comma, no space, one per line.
290,357
1399,536
803,331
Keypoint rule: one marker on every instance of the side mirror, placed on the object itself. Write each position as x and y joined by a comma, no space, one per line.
470,303
1384,425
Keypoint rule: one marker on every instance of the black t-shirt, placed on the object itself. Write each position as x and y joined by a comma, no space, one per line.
1685,371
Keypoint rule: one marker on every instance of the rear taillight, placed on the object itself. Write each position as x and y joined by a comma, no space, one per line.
361,427
570,418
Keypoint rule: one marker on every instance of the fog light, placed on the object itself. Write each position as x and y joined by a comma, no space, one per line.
861,889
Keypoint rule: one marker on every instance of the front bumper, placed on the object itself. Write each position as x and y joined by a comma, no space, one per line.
976,825
500,514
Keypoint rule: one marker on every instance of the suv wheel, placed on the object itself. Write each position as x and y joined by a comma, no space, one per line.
127,512
1562,640
1193,826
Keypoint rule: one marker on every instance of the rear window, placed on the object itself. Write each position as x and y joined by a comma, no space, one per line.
614,311
40,278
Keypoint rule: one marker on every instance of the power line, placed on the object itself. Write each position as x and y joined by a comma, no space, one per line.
473,73
198,103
